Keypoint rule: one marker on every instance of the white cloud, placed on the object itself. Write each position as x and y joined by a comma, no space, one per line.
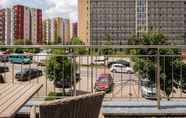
2,2
64,8
51,8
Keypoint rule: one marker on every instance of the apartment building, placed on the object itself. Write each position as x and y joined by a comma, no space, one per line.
59,28
169,17
47,31
84,20
8,25
2,25
21,23
56,30
73,30
122,18
36,25
66,30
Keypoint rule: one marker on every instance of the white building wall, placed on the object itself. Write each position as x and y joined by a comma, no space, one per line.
26,23
33,25
8,26
52,26
47,32
12,26
71,30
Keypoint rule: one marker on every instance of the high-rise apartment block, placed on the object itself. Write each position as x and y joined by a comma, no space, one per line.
84,20
22,23
122,18
47,31
8,24
59,28
2,25
36,25
56,30
74,30
66,30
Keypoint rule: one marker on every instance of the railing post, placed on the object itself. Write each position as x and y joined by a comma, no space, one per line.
74,74
158,80
13,73
92,86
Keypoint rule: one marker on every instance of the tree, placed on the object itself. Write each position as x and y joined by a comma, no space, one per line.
107,41
22,50
146,65
57,40
2,49
77,41
60,68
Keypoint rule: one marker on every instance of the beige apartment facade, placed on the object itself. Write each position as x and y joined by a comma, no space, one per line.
56,30
84,20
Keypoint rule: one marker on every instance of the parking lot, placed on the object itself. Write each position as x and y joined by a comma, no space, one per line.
126,86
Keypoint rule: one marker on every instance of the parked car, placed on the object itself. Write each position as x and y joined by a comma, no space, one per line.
148,89
104,82
100,61
4,69
20,59
4,56
181,85
123,62
27,74
120,68
66,83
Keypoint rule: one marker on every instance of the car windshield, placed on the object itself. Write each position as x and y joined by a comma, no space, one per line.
103,80
150,85
25,70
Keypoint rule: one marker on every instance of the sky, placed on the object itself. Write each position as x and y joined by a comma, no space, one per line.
51,8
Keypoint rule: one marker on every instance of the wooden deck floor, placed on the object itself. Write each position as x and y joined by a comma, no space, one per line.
14,96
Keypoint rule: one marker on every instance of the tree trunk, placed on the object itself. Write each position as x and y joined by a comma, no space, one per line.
64,91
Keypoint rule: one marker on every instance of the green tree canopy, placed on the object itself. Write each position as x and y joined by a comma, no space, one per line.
2,49
60,68
77,41
145,65
107,41
22,50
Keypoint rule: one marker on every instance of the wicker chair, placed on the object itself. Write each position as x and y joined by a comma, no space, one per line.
84,106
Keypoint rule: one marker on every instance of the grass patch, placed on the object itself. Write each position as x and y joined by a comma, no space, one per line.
54,96
95,66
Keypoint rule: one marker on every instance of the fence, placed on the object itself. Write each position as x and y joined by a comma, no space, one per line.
167,80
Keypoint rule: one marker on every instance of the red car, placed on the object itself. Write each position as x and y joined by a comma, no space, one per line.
104,82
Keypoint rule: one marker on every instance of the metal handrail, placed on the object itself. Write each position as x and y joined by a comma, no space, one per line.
96,46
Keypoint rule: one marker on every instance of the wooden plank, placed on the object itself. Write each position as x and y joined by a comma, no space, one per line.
11,95
10,89
3,88
15,106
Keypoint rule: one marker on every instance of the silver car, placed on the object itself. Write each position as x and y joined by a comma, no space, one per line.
148,89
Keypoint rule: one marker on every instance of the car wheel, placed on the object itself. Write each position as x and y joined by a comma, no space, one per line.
129,72
142,95
40,73
114,70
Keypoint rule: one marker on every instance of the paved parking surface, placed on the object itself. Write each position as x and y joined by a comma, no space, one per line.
126,86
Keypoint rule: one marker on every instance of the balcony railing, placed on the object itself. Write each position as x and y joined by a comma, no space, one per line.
91,65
